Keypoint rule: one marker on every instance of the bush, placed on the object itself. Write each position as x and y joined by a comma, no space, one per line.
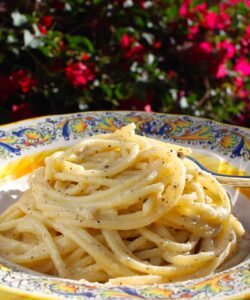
188,57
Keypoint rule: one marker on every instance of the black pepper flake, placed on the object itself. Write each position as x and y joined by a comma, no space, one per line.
180,155
106,166
98,221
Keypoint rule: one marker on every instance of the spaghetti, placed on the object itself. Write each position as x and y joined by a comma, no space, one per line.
122,209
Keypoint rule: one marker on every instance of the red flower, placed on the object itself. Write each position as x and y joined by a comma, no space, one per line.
157,45
136,52
125,41
242,66
132,48
44,24
46,21
78,74
21,111
85,56
6,88
42,29
20,79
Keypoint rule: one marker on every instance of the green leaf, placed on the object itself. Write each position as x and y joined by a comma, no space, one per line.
107,90
171,12
192,98
214,8
241,8
97,1
79,42
139,21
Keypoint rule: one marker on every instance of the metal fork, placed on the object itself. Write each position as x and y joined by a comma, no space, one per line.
237,181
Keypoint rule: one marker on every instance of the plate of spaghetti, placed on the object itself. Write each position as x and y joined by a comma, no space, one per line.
108,205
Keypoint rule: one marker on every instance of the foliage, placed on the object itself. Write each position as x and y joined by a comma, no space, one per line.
189,57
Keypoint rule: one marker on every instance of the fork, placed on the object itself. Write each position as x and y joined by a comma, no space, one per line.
234,180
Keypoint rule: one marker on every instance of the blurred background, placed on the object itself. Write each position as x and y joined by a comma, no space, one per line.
183,57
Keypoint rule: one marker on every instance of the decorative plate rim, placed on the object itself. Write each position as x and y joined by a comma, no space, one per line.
122,111
60,286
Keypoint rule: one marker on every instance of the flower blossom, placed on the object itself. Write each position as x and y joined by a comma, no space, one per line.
20,79
242,66
45,23
228,48
78,74
132,48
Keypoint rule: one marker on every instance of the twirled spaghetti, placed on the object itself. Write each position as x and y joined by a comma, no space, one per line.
123,209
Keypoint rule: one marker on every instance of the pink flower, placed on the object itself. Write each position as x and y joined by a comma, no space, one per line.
248,30
78,74
212,21
239,82
125,41
242,66
223,20
200,7
206,47
148,108
228,48
183,11
193,31
242,93
221,71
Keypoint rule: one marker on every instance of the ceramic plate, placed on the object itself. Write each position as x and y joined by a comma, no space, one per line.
23,146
